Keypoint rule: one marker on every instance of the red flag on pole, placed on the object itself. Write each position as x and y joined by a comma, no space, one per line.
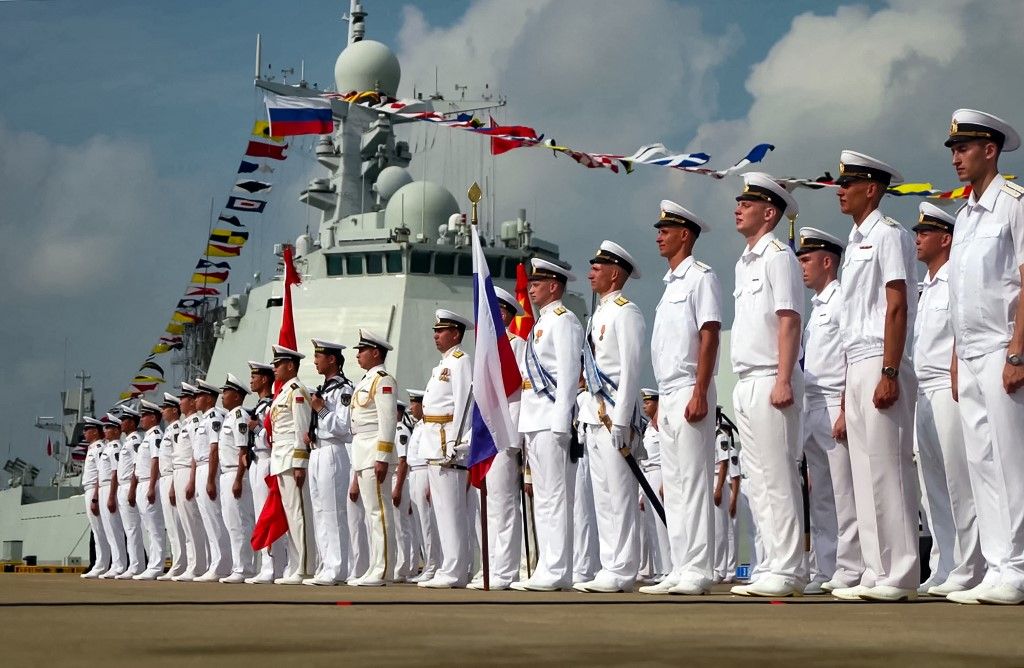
522,324
49,447
286,337
272,523
501,145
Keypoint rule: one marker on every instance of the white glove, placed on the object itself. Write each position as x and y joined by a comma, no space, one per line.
561,438
620,436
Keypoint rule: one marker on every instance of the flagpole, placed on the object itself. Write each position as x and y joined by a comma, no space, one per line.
475,195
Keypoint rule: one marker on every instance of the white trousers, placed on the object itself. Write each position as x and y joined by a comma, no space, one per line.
687,454
423,512
213,523
770,447
297,508
131,520
274,558
328,476
380,524
239,520
747,528
99,533
615,491
586,550
197,550
172,523
654,546
152,515
504,517
725,534
114,531
554,475
449,499
406,545
952,514
885,484
821,494
994,420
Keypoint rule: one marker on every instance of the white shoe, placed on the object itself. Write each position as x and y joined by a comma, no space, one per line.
146,575
440,582
208,576
943,590
91,575
318,582
184,577
660,588
494,586
1004,594
294,580
815,588
127,575
970,596
422,577
687,587
832,585
601,585
850,593
368,582
922,590
774,586
888,594
259,580
234,578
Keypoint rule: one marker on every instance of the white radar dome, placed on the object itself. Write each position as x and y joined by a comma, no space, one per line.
390,180
420,206
367,65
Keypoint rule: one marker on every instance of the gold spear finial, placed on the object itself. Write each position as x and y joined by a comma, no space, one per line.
474,196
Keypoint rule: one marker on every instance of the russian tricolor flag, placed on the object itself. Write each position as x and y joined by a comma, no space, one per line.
496,375
291,116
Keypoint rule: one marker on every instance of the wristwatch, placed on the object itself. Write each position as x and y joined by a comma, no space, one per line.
1015,360
890,371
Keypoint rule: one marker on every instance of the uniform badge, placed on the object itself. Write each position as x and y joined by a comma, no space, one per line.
346,399
735,459
386,390
300,399
601,337
242,427
445,375
538,334
403,439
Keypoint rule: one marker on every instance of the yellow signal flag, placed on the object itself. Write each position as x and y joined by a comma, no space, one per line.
262,130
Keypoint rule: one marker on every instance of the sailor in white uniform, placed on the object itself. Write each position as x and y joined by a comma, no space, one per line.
834,538
235,490
289,460
879,306
586,550
329,465
374,411
147,491
108,484
986,266
552,367
208,481
655,561
126,484
726,490
611,369
261,382
445,445
407,549
768,398
92,430
197,550
170,409
684,350
419,493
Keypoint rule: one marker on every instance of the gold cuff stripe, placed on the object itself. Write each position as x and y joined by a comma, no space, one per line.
438,419
384,446
300,454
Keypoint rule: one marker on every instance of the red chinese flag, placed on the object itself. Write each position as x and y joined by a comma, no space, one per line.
272,523
286,337
522,324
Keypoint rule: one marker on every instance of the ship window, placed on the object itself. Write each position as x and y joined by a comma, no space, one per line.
494,266
394,261
419,262
353,264
374,263
465,264
335,265
510,267
444,263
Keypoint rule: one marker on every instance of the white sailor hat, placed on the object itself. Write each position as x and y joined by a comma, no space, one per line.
647,393
283,354
327,347
188,390
761,187
444,319
610,252
932,218
509,300
415,395
232,383
170,401
402,405
970,124
370,339
127,411
110,420
674,215
855,166
542,269
203,387
261,367
91,423
813,239
149,407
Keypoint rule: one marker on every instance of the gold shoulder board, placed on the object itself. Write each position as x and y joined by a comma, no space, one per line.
891,222
700,265
621,301
560,310
457,354
382,373
1013,190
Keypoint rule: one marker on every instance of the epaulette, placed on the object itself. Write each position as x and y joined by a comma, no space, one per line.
778,245
458,353
891,222
1013,190
561,310
294,386
382,373
238,413
700,265
621,301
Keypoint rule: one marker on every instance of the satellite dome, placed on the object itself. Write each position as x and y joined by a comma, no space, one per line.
367,65
420,206
390,180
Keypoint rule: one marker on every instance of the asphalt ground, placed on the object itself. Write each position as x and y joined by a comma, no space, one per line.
48,620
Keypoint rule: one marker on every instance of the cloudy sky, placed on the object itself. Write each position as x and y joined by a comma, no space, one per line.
121,121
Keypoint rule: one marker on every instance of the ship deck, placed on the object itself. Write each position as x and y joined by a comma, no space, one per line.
51,619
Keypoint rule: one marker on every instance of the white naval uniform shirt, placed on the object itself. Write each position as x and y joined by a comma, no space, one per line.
768,280
412,456
106,460
149,448
824,356
933,334
261,444
90,469
652,446
206,433
289,418
183,446
232,438
984,269
551,366
445,398
167,444
402,436
334,426
617,331
692,298
518,344
880,251
374,417
722,450
126,455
